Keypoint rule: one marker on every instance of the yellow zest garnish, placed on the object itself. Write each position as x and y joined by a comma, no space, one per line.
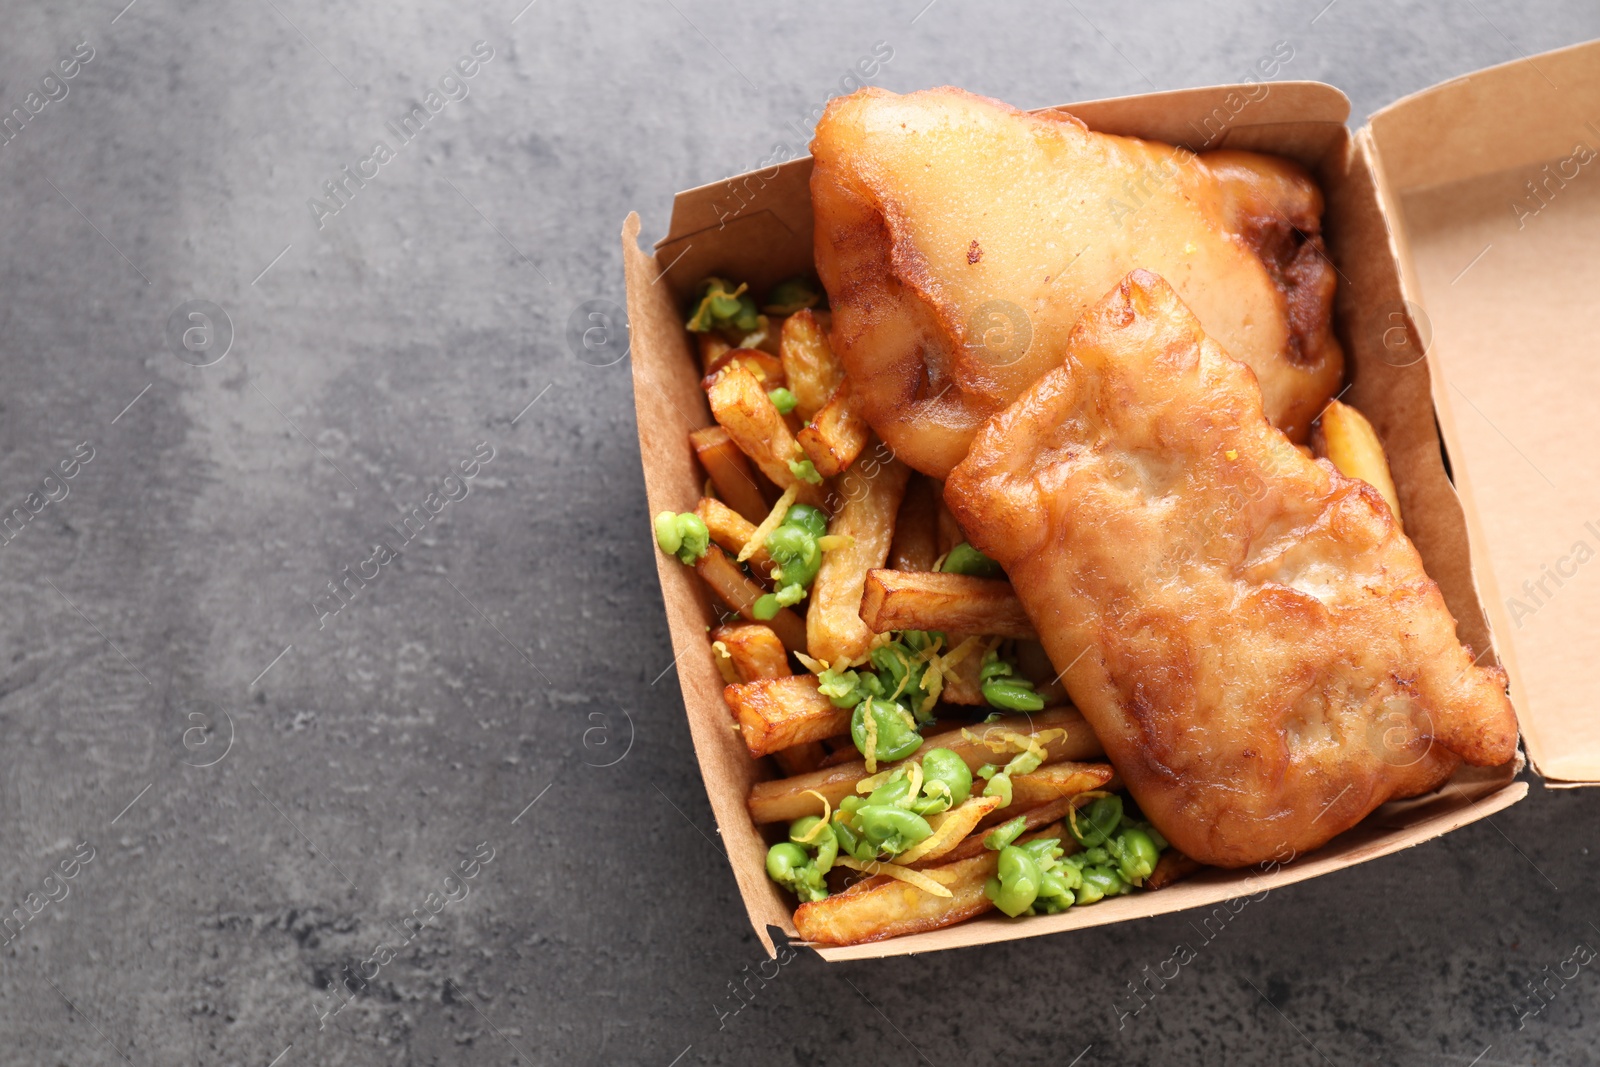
947,830
815,666
905,679
914,772
960,652
773,520
871,751
871,782
894,870
827,813
829,542
719,652
1231,454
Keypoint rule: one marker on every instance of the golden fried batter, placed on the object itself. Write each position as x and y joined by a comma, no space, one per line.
1247,630
959,240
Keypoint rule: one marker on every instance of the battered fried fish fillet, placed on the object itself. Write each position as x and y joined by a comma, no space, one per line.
960,239
1250,635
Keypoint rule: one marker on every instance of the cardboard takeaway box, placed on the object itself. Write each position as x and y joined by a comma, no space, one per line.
1462,220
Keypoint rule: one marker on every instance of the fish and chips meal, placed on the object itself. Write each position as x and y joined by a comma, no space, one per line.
1053,568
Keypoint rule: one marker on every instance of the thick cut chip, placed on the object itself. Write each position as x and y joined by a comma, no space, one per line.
730,471
1247,630
951,603
870,495
776,713
960,239
754,650
836,434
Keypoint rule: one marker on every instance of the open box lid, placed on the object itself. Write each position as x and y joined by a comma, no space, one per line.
1493,183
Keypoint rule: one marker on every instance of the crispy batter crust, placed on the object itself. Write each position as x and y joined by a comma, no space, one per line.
960,239
1252,637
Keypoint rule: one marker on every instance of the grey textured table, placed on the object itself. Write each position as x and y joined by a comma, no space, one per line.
256,787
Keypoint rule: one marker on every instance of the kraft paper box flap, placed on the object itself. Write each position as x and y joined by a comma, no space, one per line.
756,227
1494,180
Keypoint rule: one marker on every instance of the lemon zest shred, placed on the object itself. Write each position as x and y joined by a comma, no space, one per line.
914,773
871,782
829,542
827,813
773,520
897,872
947,831
815,666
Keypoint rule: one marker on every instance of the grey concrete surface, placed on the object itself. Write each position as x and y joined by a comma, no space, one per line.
253,792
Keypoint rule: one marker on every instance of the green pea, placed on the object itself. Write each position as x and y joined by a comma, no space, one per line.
943,765
1005,833
964,559
782,399
794,549
783,860
844,689
1099,883
1055,895
892,829
1094,824
1136,854
897,732
667,535
1013,694
999,786
850,841
766,607
896,791
813,521
1044,850
719,305
790,296
684,536
1016,882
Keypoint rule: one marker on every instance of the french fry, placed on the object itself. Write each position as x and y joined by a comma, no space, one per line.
711,346
812,370
837,433
775,713
767,368
731,530
893,908
735,589
834,630
741,405
1345,437
1173,866
1056,781
754,649
784,799
798,759
916,527
951,603
729,471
